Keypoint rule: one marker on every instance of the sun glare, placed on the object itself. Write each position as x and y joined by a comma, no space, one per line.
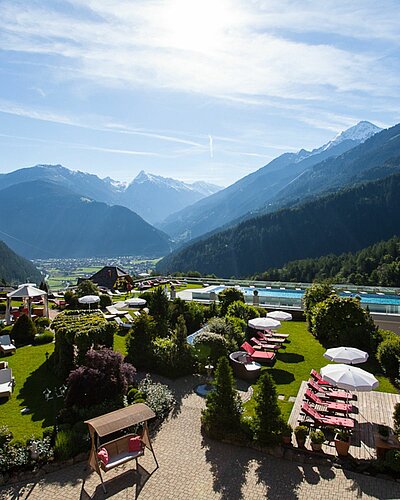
200,26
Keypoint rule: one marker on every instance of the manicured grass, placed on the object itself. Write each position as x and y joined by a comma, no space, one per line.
28,365
293,365
120,343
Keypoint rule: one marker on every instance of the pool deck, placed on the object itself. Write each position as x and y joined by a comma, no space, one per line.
373,408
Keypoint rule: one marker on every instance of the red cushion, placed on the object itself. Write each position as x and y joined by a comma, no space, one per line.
103,456
135,444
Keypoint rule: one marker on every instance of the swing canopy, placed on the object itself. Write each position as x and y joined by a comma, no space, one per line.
118,449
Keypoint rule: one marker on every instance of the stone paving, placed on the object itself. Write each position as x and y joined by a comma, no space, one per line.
195,467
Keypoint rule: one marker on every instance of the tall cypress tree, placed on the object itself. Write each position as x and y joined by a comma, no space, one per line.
267,421
221,417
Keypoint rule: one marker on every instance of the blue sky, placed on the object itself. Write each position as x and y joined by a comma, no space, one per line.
195,90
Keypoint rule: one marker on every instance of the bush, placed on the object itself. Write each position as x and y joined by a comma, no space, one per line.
342,321
243,311
5,436
221,417
396,418
44,338
388,356
317,436
392,461
318,292
139,342
267,423
227,297
105,300
87,287
24,331
210,347
14,457
135,396
104,376
69,444
158,396
41,323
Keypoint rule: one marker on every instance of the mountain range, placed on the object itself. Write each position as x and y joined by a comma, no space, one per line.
346,221
45,219
16,269
267,189
150,196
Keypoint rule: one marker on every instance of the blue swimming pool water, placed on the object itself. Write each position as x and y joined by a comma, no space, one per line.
366,298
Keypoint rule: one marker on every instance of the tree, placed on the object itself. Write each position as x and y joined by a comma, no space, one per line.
87,287
24,331
242,310
267,423
104,376
388,355
316,293
342,321
221,417
159,309
227,297
139,342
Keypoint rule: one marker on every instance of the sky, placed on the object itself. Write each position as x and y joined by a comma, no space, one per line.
190,89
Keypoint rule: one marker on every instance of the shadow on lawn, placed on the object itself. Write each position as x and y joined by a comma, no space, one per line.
290,357
32,396
281,376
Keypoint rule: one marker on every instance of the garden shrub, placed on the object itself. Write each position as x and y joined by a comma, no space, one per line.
392,461
396,418
318,292
104,376
41,323
242,310
210,347
158,396
14,457
191,311
227,297
135,396
71,299
342,321
267,422
388,355
44,338
237,332
5,436
139,342
24,331
68,444
87,287
221,417
105,300
75,333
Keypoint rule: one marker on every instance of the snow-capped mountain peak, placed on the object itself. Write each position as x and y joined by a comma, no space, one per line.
360,133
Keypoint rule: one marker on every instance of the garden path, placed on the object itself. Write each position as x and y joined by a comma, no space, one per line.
195,467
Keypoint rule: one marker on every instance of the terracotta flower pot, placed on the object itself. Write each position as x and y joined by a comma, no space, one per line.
342,447
316,446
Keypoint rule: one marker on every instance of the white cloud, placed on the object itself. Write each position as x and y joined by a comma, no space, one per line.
227,48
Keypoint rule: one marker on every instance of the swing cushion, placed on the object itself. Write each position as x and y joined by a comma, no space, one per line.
135,444
103,456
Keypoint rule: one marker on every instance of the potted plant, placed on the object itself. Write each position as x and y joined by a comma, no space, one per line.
287,434
342,442
383,432
317,438
301,432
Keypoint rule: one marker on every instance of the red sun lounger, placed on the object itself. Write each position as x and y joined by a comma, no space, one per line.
327,393
330,406
261,356
265,345
318,378
345,423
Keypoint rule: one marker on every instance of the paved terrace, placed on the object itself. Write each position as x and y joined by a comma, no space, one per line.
192,467
372,409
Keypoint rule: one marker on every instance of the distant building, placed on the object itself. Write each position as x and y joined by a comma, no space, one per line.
111,277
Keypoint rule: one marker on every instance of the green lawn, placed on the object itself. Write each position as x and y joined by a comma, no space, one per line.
31,378
293,365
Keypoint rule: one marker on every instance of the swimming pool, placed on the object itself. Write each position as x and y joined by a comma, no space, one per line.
389,304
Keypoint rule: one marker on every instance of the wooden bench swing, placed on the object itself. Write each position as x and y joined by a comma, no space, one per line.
118,449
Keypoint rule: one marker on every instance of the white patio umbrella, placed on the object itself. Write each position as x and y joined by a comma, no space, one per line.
346,355
280,315
264,323
349,378
135,301
89,299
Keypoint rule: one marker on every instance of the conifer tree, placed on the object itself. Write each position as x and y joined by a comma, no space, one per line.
221,417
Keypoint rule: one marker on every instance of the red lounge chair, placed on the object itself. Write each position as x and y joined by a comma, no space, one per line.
345,423
329,405
277,334
327,393
265,345
261,356
270,338
317,377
